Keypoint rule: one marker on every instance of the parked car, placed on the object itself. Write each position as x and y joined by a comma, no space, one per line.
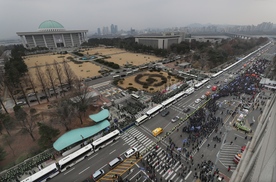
208,86
197,101
98,174
203,97
216,82
31,94
165,113
21,103
130,152
176,118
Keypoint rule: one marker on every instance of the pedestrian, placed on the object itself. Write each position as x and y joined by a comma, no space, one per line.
231,143
202,155
245,137
229,168
208,145
235,138
215,146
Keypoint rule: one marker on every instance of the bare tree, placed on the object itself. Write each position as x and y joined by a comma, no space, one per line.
51,77
31,81
2,91
59,74
81,101
62,112
41,78
24,93
7,122
8,141
27,122
69,74
10,88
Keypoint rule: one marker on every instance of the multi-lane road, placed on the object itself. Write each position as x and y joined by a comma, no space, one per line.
141,137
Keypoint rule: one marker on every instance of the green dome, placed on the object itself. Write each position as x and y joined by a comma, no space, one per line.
50,25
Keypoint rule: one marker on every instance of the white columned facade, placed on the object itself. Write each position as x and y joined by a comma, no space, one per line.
72,40
34,41
23,41
64,44
45,41
79,35
54,40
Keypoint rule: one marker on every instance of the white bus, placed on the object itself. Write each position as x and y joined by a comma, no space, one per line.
189,91
141,120
116,77
72,159
155,110
217,74
129,72
134,96
200,84
105,140
168,102
44,174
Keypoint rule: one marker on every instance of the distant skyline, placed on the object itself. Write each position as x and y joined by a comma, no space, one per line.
26,15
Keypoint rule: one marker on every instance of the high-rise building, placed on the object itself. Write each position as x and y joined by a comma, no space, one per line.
116,29
105,31
112,29
99,31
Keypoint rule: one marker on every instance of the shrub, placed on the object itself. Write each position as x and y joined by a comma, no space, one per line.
132,89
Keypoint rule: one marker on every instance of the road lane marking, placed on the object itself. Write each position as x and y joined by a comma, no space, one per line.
239,136
93,156
114,143
167,125
69,171
84,170
112,151
188,175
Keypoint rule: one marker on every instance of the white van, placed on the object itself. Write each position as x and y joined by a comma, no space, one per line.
98,174
130,152
112,164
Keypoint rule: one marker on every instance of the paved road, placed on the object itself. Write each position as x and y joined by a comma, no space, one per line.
144,139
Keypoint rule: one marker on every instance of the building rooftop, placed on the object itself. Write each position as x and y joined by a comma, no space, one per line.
71,137
103,114
50,25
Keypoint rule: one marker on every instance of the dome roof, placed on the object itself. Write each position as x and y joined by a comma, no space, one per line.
50,25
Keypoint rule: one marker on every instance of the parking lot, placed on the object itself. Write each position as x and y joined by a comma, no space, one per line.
111,92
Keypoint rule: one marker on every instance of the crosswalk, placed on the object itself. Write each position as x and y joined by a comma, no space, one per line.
227,154
168,174
137,139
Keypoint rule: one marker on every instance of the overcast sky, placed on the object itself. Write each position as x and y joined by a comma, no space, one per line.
26,15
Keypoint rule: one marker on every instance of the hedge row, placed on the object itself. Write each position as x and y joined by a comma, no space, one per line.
150,80
107,63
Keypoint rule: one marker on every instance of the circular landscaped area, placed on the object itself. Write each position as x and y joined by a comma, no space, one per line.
149,81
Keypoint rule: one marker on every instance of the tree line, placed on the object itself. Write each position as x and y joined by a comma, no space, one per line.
204,54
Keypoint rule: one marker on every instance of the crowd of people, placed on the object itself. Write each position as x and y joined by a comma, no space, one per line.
26,167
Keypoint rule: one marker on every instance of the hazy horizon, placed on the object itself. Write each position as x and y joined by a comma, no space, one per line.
20,16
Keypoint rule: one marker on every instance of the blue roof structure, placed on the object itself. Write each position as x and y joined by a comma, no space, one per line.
48,24
79,134
102,115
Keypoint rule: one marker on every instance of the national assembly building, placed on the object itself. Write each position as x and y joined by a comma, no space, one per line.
52,35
